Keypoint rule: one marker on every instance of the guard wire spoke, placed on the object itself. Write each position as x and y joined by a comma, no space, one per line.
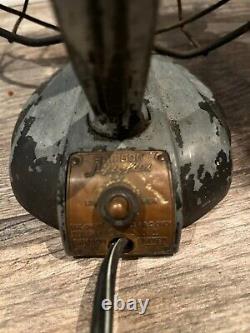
183,29
162,49
12,36
159,46
198,50
28,17
19,20
193,17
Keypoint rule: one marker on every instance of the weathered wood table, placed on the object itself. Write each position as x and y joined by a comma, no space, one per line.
203,288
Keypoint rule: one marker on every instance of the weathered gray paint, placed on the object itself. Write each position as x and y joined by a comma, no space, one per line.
185,121
110,43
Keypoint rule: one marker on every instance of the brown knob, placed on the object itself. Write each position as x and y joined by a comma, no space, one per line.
118,207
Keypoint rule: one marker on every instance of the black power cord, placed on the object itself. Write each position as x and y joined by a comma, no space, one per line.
102,320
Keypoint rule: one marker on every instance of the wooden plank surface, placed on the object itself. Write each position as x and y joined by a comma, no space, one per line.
203,288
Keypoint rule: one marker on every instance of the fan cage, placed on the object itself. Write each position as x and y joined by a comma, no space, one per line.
182,24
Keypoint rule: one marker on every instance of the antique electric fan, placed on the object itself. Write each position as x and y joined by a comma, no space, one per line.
121,148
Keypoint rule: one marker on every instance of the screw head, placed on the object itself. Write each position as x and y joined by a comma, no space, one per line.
160,157
75,160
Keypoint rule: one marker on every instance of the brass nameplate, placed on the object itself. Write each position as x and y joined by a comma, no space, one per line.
147,175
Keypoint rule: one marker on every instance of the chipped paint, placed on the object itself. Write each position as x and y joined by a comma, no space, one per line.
185,121
176,128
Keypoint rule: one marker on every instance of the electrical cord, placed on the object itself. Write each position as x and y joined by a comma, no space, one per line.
102,320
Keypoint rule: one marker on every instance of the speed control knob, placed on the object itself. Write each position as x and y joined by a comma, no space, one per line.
118,205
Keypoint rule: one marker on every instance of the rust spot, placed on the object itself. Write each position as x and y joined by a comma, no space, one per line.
10,93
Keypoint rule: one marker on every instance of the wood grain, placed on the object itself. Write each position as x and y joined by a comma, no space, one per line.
203,288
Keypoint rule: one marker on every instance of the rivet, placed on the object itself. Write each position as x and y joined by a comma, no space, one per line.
75,160
160,157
